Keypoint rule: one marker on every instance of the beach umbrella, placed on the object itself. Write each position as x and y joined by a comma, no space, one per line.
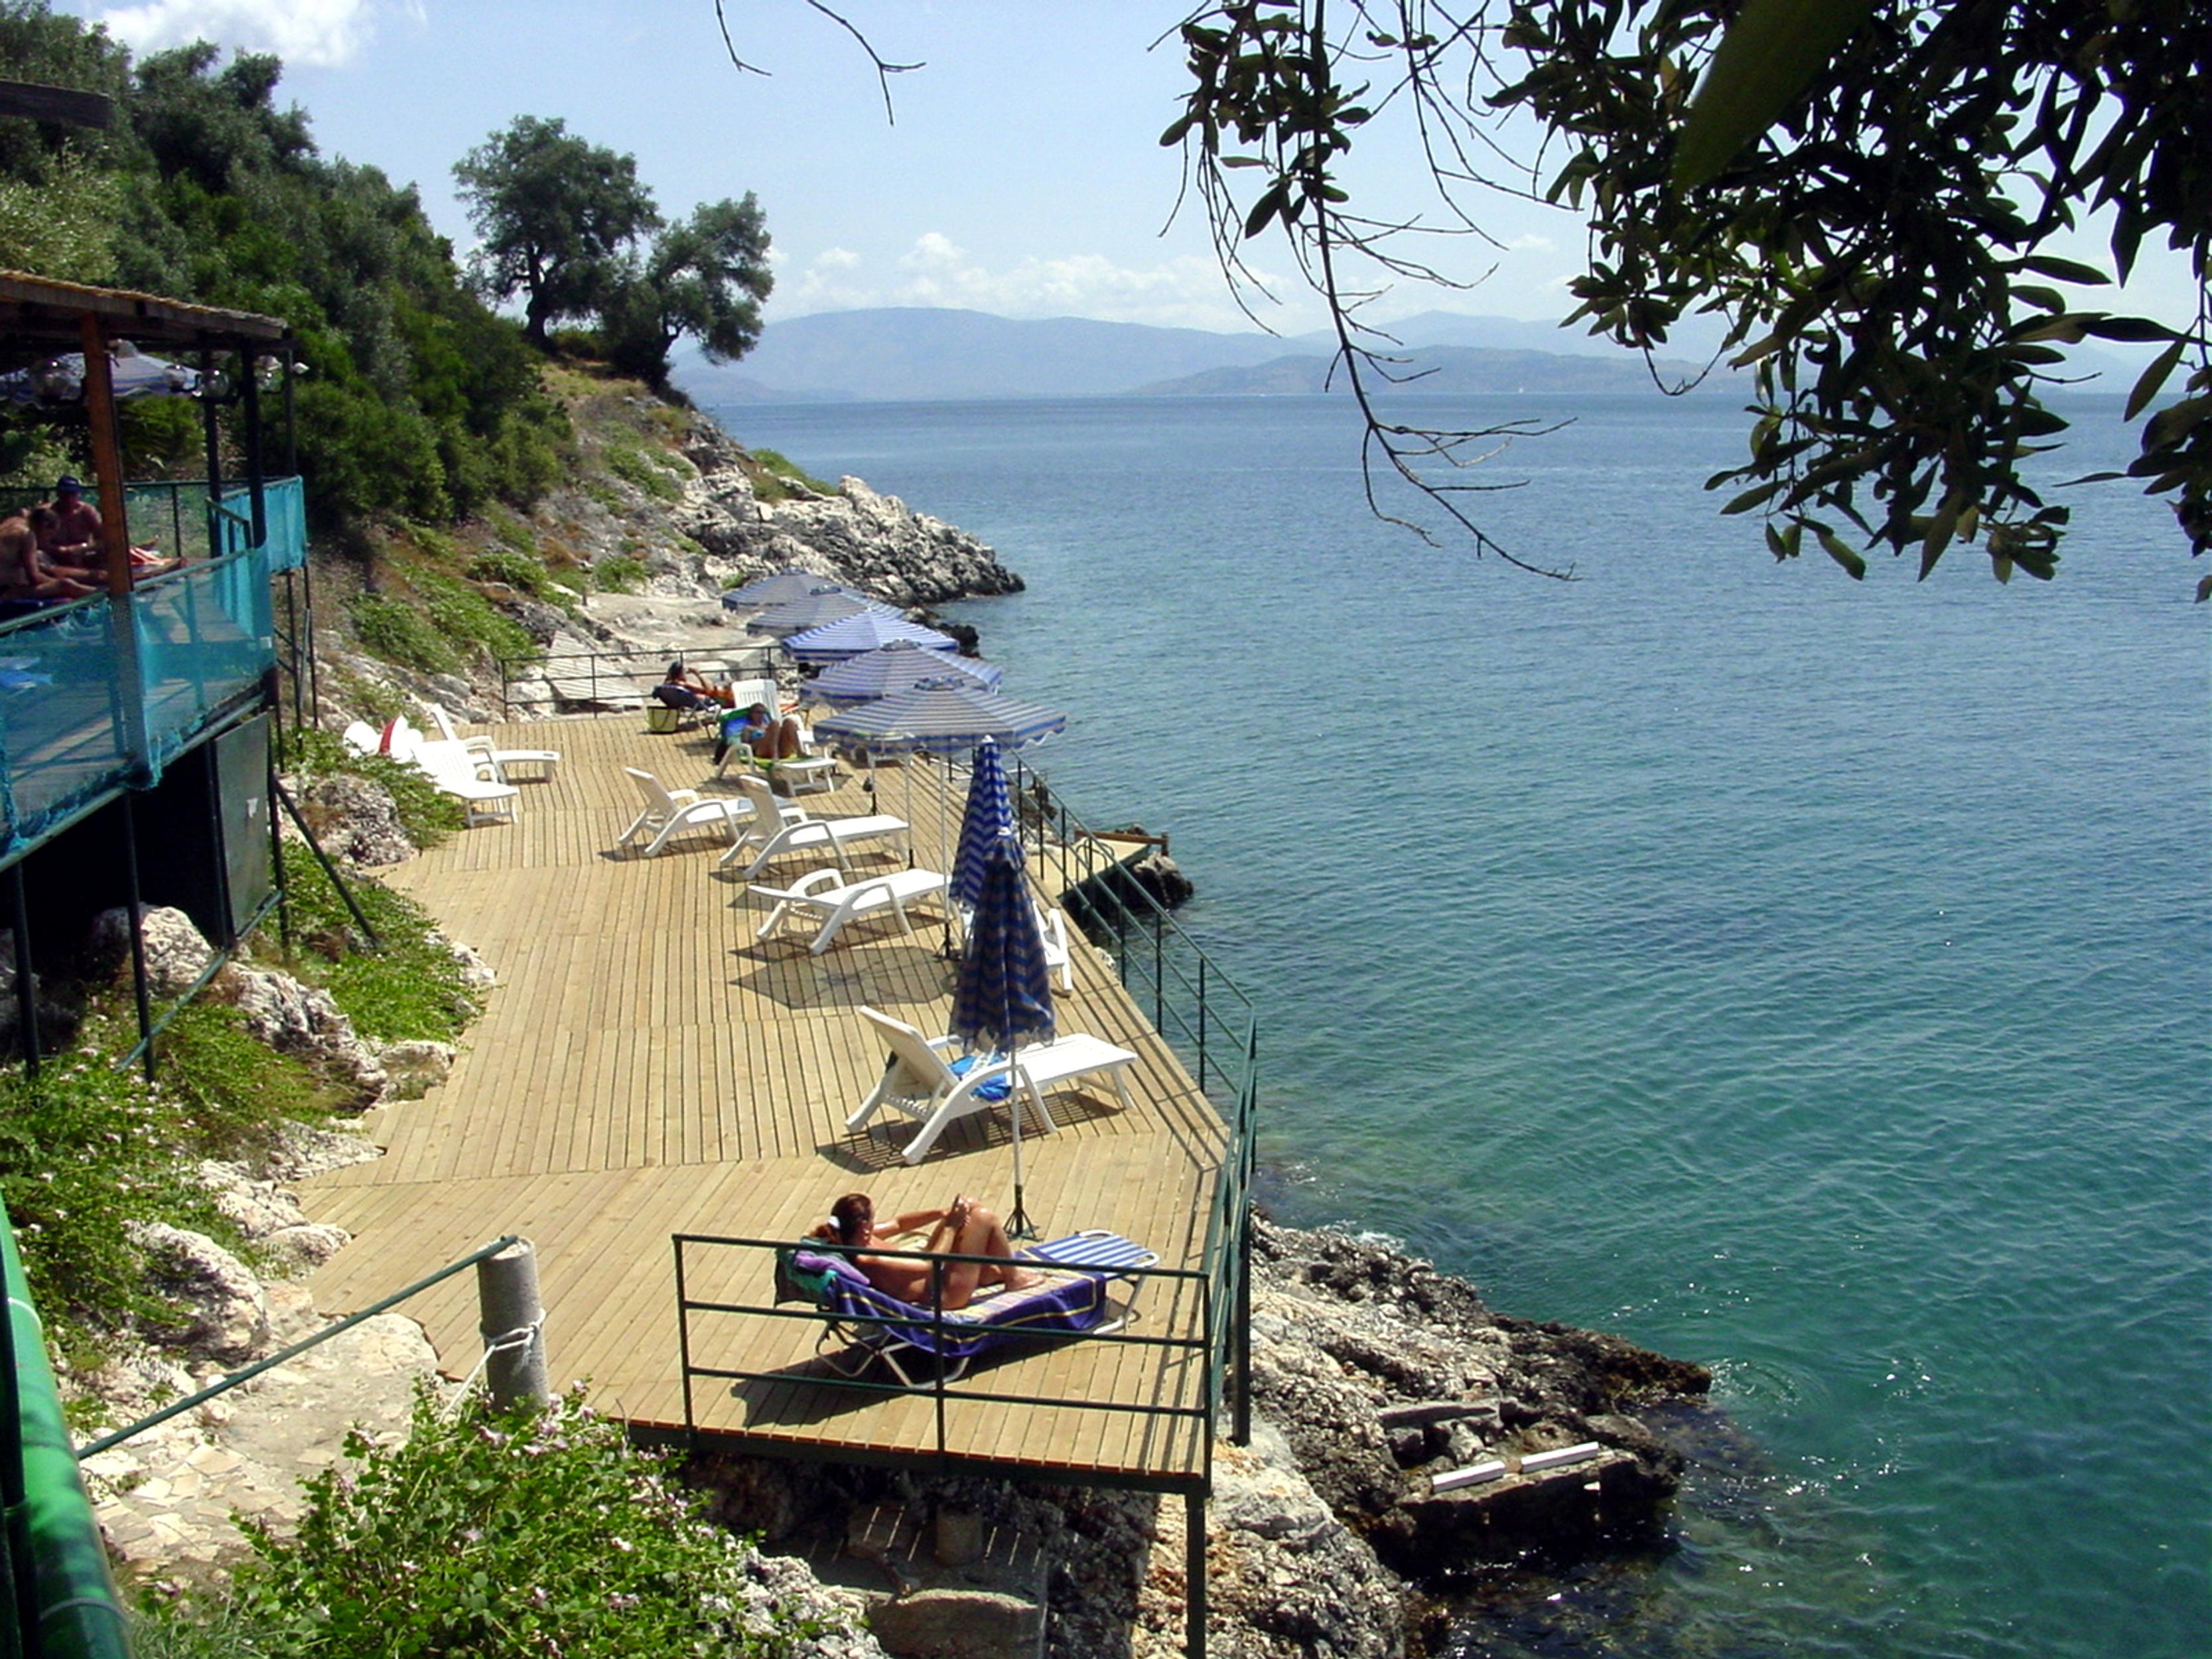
131,372
900,665
989,816
1003,996
864,631
785,586
935,717
826,604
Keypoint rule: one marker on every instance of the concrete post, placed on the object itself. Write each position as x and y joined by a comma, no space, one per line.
508,1314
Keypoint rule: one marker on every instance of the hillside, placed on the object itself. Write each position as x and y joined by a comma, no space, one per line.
1435,371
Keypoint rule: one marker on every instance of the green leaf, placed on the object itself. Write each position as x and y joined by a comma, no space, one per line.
1837,549
1770,55
2133,329
2153,378
2065,270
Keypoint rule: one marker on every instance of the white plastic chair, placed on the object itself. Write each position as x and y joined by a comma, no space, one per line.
925,1080
671,812
827,897
777,829
545,762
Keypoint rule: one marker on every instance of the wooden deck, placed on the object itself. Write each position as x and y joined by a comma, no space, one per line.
645,1068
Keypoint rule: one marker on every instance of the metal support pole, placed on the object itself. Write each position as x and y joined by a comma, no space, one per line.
27,996
137,940
360,920
211,431
1193,1572
512,1321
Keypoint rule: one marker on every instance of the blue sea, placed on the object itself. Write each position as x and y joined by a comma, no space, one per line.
1802,977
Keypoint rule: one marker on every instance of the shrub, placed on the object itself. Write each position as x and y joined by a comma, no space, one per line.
496,1534
399,634
467,618
518,570
616,574
773,478
635,466
409,989
426,814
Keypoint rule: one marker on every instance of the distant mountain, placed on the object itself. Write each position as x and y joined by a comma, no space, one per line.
1438,371
921,353
924,354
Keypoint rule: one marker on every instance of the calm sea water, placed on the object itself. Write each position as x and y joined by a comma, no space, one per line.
1806,977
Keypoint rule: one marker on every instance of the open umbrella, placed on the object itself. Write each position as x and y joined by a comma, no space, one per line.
934,718
1004,993
785,586
899,666
825,605
864,631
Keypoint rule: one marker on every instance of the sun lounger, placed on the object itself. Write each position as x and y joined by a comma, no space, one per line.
915,1343
669,813
924,1079
828,895
542,763
777,829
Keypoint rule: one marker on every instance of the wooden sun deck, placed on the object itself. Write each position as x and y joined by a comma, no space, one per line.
645,1068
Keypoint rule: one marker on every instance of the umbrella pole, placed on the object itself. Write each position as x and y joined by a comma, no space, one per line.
945,842
1018,1225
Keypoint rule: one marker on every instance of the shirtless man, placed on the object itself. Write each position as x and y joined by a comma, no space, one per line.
961,1228
23,575
71,546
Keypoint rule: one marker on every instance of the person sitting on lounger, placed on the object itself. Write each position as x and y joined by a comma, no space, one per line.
961,1228
764,736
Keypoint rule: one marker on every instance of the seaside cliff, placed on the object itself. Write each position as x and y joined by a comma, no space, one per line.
1371,1372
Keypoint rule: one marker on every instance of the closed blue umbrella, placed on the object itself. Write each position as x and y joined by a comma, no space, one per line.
1003,996
900,665
827,605
782,588
989,817
863,631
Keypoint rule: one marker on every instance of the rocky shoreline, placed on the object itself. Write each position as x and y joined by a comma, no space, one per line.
1372,1374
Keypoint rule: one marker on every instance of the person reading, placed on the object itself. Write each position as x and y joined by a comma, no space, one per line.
962,1227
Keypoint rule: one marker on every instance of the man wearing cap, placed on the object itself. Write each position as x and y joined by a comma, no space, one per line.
71,547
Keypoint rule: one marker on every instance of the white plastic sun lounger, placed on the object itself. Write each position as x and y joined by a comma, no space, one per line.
671,812
923,1078
827,895
542,763
778,828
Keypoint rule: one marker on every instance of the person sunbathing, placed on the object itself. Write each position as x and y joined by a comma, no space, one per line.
762,736
961,1228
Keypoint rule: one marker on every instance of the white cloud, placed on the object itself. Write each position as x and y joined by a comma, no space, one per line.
308,34
1181,292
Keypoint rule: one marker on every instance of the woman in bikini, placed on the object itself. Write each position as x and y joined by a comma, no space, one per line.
961,1228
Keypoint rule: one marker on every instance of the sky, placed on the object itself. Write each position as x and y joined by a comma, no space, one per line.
1022,174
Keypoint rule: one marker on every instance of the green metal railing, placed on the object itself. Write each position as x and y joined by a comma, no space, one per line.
621,678
64,1603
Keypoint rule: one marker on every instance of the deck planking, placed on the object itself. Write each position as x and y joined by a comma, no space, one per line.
644,1067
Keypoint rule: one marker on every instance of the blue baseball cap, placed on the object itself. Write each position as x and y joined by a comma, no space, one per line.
68,485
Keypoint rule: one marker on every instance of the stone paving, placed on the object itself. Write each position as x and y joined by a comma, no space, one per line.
167,1498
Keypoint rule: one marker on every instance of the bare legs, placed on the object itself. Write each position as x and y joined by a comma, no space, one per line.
966,1229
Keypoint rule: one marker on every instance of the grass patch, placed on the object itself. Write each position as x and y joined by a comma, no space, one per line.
396,632
775,477
518,570
465,617
412,990
486,1535
634,464
617,573
425,813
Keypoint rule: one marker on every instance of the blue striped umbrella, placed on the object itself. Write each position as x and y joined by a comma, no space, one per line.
864,631
989,816
782,588
937,719
898,667
1004,992
827,606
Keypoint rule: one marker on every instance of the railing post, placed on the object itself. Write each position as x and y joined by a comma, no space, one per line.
27,996
1194,1573
1201,1024
512,1321
684,1348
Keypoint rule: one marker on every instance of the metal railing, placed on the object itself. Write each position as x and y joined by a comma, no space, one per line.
614,678
1197,1406
1212,1026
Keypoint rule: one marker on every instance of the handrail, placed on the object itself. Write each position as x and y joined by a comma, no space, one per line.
224,1384
1201,1413
65,1603
622,666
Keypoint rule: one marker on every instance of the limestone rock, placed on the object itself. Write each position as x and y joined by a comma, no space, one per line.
299,1251
353,820
413,1069
228,1310
293,1019
176,954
